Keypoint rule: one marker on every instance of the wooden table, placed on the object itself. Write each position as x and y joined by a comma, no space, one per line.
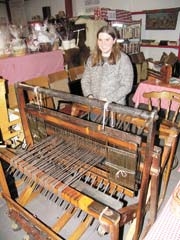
22,68
150,85
30,66
167,225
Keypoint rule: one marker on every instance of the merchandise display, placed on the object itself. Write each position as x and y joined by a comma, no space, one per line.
14,42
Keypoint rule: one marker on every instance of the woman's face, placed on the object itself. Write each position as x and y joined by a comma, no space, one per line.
105,43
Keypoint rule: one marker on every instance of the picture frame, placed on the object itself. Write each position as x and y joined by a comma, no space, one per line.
161,20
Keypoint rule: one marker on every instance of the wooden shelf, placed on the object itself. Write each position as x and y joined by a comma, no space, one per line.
159,46
164,46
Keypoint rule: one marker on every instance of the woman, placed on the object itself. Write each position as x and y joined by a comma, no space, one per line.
108,74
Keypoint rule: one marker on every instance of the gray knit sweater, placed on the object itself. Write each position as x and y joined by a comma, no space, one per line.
108,82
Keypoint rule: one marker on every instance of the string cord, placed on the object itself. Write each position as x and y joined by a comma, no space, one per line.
104,114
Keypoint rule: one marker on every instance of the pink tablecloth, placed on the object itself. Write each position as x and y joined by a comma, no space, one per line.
22,68
167,225
154,85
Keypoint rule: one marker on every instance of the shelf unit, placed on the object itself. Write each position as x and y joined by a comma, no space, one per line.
129,35
162,46
159,46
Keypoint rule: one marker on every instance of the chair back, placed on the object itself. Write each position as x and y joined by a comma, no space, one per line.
41,81
57,76
76,73
59,81
167,104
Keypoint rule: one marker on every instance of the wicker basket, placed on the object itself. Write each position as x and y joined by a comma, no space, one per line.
4,54
45,47
19,52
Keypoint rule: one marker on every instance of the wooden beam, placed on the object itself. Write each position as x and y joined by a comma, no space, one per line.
156,11
68,8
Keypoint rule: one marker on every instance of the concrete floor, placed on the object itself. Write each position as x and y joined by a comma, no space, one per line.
50,211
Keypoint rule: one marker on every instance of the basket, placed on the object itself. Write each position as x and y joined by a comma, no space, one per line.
19,52
45,47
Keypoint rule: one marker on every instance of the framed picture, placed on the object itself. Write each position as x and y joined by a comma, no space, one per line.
161,21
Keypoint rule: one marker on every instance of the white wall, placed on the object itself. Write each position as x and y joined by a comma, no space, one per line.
171,35
139,5
79,7
34,7
3,12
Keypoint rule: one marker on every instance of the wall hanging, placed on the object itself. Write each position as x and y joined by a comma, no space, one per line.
161,20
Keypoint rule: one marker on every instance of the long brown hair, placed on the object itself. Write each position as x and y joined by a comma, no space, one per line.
97,58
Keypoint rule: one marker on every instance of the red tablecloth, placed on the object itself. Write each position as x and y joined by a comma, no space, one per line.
22,68
154,85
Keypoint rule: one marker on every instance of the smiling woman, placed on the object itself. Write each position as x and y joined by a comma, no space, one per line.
108,74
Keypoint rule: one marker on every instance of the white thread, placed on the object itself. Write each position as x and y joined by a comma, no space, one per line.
122,172
39,98
104,113
101,214
35,89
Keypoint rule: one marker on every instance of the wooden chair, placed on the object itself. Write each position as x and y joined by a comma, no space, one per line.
59,81
168,130
75,75
41,81
170,118
10,122
11,95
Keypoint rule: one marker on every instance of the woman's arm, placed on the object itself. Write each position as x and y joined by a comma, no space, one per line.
86,79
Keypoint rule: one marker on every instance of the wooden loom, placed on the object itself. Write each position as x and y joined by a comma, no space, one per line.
101,168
